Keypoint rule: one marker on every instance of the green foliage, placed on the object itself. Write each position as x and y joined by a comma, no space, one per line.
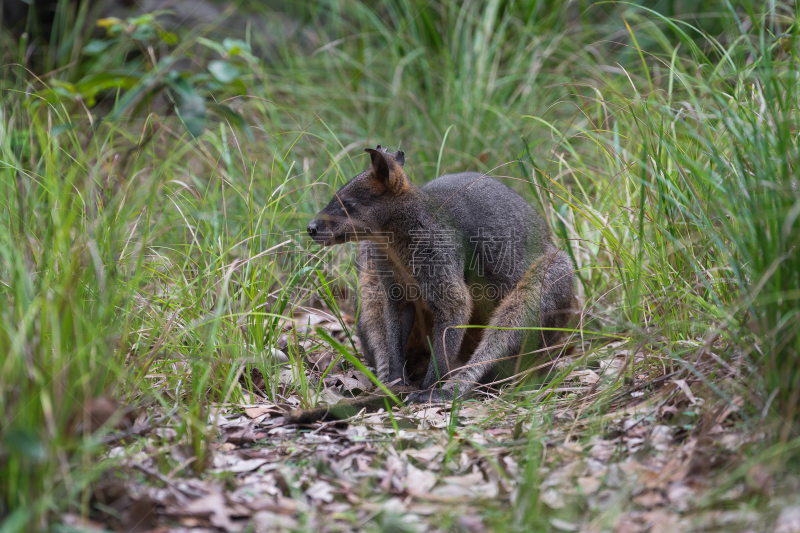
137,61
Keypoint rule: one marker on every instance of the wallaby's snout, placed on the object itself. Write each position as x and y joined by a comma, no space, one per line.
318,230
313,228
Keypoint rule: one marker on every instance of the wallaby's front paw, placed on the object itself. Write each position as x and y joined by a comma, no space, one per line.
434,395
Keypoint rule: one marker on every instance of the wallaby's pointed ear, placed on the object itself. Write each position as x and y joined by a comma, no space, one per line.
400,157
380,166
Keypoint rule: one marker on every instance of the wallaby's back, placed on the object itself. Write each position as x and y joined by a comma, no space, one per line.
497,225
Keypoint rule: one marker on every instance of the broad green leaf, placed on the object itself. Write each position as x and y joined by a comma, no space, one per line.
233,117
168,37
94,83
192,111
96,46
64,85
218,48
25,442
142,20
234,46
109,22
181,85
237,47
237,87
223,71
144,33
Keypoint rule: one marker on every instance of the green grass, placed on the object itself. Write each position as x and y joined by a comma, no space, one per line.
141,263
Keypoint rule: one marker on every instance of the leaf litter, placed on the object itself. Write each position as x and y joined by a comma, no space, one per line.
639,456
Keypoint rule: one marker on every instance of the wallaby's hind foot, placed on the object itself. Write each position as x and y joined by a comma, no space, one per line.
434,395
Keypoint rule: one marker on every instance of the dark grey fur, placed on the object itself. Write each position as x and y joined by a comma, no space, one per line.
458,233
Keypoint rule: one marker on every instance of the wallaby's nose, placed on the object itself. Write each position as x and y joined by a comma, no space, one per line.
313,228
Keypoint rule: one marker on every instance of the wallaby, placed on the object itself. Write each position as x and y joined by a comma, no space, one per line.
462,250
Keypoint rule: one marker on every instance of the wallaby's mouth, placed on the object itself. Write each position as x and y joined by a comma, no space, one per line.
320,233
325,239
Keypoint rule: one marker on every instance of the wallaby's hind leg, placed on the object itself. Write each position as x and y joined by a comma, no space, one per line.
541,299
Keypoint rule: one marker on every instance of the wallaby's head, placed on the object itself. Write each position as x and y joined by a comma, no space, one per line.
364,203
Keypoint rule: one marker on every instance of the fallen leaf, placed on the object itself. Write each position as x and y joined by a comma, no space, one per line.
788,520
246,435
269,521
274,505
661,437
429,413
77,523
246,465
553,499
467,486
679,496
141,516
662,520
321,490
589,377
214,505
681,384
419,481
630,523
650,498
563,525
471,523
425,455
351,450
589,485
759,479
602,450
259,410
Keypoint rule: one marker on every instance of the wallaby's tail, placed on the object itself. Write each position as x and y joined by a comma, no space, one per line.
541,299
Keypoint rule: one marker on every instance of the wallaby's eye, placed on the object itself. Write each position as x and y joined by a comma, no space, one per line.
350,206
